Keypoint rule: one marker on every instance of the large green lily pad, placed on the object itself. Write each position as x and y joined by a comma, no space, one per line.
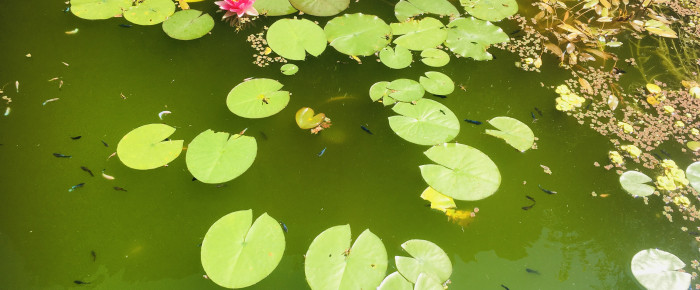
657,269
437,83
634,183
427,258
150,12
405,90
396,58
236,254
98,9
257,98
514,132
219,157
395,281
470,37
405,10
331,263
321,7
428,282
463,173
292,38
146,147
435,57
358,34
439,7
419,34
274,7
490,10
693,175
425,123
188,24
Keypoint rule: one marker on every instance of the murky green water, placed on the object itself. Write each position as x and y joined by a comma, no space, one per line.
148,237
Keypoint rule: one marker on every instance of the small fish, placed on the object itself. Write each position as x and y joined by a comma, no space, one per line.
66,10
534,119
243,131
7,111
322,151
472,121
588,106
618,71
104,143
531,271
87,170
49,100
504,287
443,112
76,137
528,207
440,96
694,233
665,153
60,84
17,86
538,111
263,135
366,130
108,177
515,32
74,31
119,188
546,190
74,187
163,113
125,25
59,155
530,198
80,282
284,227
194,179
112,155
94,255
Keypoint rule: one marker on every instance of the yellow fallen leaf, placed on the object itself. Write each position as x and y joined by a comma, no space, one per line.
652,100
585,85
267,51
654,89
183,4
438,200
613,101
460,217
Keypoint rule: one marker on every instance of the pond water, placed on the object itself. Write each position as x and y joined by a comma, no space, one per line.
149,236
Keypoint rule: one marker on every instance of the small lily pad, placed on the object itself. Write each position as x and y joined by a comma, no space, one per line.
289,69
292,38
657,269
236,254
358,34
463,173
98,9
405,10
395,281
380,91
396,58
147,147
435,57
320,7
150,12
514,132
693,145
437,83
219,157
306,119
257,98
419,34
405,90
693,175
188,24
470,37
331,263
274,7
439,7
490,10
427,258
634,183
428,282
425,123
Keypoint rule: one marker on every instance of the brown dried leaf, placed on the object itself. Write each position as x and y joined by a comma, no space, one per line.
613,101
569,28
553,48
538,62
570,48
605,3
585,85
598,53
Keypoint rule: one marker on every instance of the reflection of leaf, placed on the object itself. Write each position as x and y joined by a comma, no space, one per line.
321,7
292,38
188,24
257,98
657,269
150,12
358,34
143,148
427,258
396,58
514,132
395,281
218,157
634,183
437,200
425,123
98,9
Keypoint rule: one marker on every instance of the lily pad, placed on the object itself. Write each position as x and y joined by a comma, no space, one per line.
405,10
657,269
150,12
463,173
427,258
188,24
490,10
470,37
274,7
98,9
419,34
514,132
331,263
425,123
396,58
439,7
358,34
634,183
380,91
395,282
292,38
306,119
435,57
427,282
289,69
693,175
236,254
321,7
219,157
146,147
437,83
405,90
257,98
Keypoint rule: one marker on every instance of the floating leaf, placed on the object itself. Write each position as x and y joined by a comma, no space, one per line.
613,101
425,123
146,147
321,7
405,10
652,88
236,254
292,38
659,28
289,69
219,157
98,9
150,12
257,98
470,37
332,264
274,7
693,145
358,34
439,7
514,132
657,269
693,175
306,119
464,173
419,34
438,200
490,10
427,258
634,183
427,282
380,91
396,58
395,282
405,90
188,24
437,83
435,57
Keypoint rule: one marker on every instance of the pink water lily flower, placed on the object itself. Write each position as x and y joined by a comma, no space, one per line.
239,7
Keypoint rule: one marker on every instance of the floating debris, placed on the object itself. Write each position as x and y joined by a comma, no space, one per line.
7,111
163,113
112,155
94,255
80,282
28,55
546,169
49,101
65,63
17,86
108,177
71,32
